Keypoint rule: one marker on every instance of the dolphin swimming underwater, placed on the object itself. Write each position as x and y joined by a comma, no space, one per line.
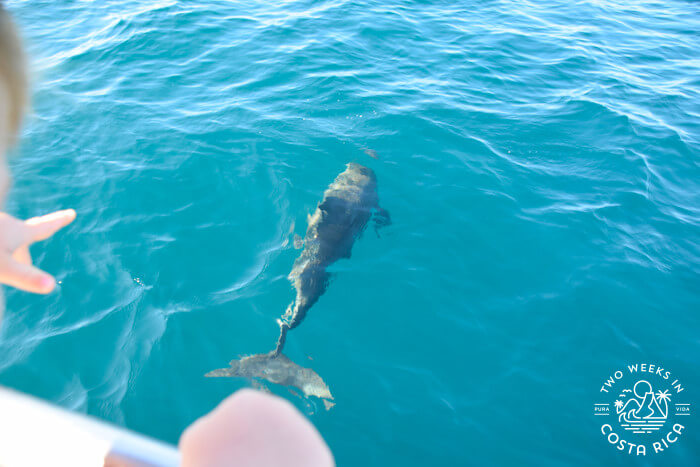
347,206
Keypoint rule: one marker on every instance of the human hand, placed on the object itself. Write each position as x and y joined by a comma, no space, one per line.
252,429
16,235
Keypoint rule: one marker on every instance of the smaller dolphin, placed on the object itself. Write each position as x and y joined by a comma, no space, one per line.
342,215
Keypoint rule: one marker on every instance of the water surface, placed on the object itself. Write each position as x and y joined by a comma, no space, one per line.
539,160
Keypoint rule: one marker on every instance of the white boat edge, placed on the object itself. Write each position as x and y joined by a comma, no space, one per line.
34,433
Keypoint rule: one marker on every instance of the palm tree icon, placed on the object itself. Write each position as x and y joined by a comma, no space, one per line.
618,405
663,396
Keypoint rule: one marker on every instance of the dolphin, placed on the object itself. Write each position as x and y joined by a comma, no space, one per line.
347,206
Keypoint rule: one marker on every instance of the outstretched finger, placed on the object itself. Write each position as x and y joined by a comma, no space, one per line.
43,227
25,277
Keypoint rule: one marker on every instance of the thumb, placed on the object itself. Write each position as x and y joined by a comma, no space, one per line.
43,227
25,277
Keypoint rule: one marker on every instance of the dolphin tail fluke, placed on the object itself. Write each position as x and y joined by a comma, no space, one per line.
221,372
277,369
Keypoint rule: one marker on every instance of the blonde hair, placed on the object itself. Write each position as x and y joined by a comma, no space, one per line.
13,71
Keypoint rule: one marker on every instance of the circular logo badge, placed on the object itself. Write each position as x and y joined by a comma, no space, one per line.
642,409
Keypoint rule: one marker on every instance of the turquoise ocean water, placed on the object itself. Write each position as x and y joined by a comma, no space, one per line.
540,161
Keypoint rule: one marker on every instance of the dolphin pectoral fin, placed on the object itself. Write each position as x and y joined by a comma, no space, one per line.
381,218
